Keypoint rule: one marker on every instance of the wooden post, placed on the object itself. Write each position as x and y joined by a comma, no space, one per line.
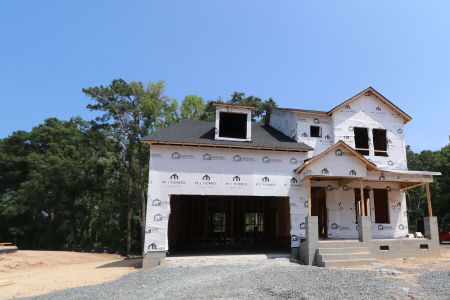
361,197
430,210
368,207
308,183
359,208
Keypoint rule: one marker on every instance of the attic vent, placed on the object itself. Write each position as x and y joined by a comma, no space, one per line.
384,247
233,125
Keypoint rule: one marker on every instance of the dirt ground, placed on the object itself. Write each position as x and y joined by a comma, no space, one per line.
29,273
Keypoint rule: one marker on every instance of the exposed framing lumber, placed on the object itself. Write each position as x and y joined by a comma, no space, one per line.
430,210
361,190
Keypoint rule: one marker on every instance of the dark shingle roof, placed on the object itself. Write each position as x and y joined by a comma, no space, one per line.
202,132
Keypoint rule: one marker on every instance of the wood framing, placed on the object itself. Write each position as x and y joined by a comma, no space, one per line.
430,210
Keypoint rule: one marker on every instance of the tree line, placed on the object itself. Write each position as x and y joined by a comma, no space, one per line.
82,185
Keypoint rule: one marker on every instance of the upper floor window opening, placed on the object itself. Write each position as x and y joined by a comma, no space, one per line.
380,142
361,140
315,131
233,125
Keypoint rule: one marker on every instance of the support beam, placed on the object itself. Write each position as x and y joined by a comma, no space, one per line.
362,198
430,210
308,188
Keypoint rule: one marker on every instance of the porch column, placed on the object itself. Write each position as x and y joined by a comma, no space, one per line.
312,240
308,190
430,223
362,212
430,210
365,230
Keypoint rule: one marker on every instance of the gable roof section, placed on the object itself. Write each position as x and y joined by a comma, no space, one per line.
370,165
406,118
201,133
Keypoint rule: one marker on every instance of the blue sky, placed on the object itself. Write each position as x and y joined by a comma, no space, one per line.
304,54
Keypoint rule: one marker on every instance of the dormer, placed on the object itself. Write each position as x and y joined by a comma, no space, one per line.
233,122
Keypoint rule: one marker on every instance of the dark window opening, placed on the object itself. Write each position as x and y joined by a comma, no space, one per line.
363,204
254,222
384,248
218,220
423,246
361,140
381,203
315,131
233,125
380,142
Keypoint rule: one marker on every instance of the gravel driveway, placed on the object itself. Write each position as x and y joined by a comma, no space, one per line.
259,278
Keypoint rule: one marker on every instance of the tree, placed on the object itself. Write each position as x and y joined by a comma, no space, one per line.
131,111
192,107
260,114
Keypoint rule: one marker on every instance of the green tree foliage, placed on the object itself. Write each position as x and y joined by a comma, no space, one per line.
438,161
57,188
130,112
260,114
192,107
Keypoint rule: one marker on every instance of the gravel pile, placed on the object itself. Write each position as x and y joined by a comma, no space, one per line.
437,283
270,280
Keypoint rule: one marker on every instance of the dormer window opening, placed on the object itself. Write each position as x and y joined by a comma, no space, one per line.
361,140
315,131
233,125
380,142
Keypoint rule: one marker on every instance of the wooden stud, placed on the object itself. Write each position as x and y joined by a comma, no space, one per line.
368,207
430,210
308,184
361,190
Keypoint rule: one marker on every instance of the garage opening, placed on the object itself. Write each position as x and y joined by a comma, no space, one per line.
207,223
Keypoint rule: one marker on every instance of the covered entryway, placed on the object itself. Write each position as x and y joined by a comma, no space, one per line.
205,223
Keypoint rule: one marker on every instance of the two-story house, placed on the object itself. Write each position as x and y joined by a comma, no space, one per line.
328,185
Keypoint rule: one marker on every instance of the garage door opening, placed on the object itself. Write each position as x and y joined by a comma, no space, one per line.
237,223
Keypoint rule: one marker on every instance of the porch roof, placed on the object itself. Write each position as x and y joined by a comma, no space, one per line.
407,172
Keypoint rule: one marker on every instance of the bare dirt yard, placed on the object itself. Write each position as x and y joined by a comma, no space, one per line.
29,273
67,275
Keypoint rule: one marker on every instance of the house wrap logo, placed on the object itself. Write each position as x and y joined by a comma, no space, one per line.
294,238
293,161
347,107
380,227
316,121
352,173
238,158
378,109
305,135
334,226
206,181
327,137
152,229
382,177
303,225
174,180
153,246
325,171
338,152
157,218
177,155
390,163
267,160
294,180
265,182
208,157
401,227
236,182
400,131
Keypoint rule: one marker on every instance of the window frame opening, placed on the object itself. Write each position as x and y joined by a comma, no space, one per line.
317,134
218,222
361,140
254,222
233,125
381,205
380,144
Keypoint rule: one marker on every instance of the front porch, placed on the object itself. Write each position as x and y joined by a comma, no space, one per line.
351,228
357,211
